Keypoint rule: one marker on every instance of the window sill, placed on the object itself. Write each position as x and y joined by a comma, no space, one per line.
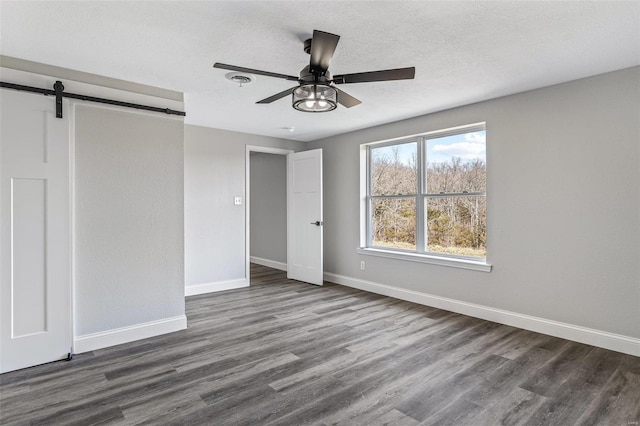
425,258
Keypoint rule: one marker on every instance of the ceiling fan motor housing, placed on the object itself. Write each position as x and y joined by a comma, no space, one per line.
306,76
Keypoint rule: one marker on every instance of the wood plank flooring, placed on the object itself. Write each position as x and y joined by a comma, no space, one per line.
287,353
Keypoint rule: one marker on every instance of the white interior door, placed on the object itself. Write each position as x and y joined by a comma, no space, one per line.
35,290
304,222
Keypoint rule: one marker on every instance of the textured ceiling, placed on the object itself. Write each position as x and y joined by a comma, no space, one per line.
464,52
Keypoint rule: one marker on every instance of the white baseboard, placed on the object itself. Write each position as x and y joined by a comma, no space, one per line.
270,263
589,336
192,290
117,336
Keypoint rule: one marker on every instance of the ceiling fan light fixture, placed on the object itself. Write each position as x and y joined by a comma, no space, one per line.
315,98
318,88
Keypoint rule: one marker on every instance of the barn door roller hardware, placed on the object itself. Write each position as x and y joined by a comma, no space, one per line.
59,93
58,88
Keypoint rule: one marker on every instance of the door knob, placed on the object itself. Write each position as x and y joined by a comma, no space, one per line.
317,223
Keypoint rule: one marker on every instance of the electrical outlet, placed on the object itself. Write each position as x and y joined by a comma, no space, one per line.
362,265
237,201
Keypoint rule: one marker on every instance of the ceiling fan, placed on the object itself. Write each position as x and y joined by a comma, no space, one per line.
316,90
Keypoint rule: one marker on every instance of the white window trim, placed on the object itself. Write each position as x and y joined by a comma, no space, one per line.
429,258
426,258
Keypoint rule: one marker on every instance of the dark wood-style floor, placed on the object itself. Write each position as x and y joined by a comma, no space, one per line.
284,352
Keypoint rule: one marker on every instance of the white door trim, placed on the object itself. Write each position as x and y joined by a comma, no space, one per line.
71,110
247,195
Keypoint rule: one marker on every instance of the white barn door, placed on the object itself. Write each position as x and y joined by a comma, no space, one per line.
35,290
304,223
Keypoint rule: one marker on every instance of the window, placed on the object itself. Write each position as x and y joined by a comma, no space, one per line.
426,195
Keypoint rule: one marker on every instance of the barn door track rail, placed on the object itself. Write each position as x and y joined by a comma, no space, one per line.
59,93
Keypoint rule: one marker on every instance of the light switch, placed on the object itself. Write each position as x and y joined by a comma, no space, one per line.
237,200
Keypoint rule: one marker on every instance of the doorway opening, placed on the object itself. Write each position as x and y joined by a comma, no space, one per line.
266,211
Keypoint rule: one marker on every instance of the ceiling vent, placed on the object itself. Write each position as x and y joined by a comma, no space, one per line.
240,78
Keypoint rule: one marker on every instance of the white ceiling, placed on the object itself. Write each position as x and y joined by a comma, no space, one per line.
464,52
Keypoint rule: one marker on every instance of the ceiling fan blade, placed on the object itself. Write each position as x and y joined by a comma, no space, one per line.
276,96
382,75
346,99
323,45
252,71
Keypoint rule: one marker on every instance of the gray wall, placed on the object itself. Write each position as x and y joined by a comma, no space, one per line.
214,227
268,206
563,205
129,261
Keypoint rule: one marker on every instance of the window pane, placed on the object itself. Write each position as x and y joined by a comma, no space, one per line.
457,225
457,163
394,222
393,169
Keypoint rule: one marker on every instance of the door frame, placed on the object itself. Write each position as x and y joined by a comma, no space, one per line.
71,111
247,197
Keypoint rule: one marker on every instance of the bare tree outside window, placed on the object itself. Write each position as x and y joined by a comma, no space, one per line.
394,177
440,178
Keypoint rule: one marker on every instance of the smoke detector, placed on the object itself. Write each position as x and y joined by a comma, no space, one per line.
240,78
